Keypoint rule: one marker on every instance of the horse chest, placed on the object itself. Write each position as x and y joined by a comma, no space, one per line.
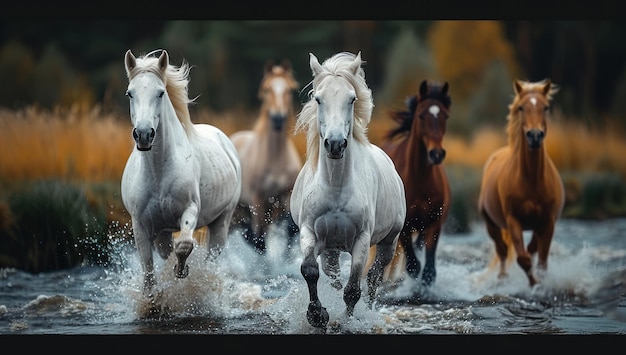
337,229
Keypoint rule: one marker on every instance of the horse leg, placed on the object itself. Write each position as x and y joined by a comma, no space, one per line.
183,245
163,244
352,292
217,234
292,229
384,254
330,266
542,240
431,235
144,248
413,266
256,237
523,258
495,232
242,218
316,315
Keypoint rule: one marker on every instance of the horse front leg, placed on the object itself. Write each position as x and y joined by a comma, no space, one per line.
523,258
540,245
183,245
316,315
384,255
431,235
258,228
144,248
352,292
330,266
413,266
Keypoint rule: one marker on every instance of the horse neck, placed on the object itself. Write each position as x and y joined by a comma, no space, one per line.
170,138
274,142
416,153
337,172
532,162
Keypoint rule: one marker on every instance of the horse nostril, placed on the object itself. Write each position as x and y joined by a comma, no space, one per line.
135,135
344,144
152,133
436,156
326,144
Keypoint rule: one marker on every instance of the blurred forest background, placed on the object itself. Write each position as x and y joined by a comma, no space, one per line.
65,131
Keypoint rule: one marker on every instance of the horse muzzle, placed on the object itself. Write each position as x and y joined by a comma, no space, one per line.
144,138
436,156
535,137
278,121
335,147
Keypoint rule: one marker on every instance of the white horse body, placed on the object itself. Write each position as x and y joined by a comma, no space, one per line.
180,176
347,202
348,195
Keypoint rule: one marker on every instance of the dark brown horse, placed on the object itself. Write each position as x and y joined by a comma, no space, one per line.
521,188
416,148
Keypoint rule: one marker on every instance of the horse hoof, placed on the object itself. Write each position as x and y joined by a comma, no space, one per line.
337,285
181,273
317,316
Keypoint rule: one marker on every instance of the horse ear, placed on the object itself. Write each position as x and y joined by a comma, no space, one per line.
444,89
286,64
546,87
315,65
164,60
423,88
269,64
517,86
356,64
129,62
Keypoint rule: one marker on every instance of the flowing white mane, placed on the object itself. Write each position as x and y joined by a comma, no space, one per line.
338,65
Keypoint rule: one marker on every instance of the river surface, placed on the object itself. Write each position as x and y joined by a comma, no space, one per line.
582,292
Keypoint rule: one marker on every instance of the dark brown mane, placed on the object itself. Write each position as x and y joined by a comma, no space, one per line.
428,91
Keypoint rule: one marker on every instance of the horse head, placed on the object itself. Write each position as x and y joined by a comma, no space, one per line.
335,97
275,92
146,92
532,104
431,115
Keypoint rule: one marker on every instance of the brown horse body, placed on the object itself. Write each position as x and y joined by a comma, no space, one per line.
270,161
521,188
418,156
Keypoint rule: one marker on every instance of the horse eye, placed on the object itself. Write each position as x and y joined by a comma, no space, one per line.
520,109
546,108
318,101
353,100
127,93
161,94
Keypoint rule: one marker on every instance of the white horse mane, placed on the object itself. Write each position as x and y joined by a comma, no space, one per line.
176,80
338,65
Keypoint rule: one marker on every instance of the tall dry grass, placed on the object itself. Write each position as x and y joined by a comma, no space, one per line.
94,146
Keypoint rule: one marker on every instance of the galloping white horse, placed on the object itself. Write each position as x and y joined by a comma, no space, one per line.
180,176
348,195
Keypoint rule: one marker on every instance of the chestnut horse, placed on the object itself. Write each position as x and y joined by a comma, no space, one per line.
270,161
418,155
521,188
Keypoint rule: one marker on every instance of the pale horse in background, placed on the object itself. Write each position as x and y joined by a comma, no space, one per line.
270,160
